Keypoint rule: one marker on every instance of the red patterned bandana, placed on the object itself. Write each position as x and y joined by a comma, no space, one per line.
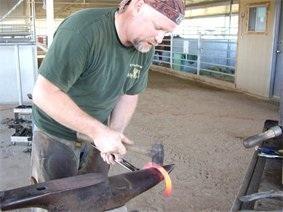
172,9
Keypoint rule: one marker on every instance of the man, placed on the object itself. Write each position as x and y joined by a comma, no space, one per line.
89,83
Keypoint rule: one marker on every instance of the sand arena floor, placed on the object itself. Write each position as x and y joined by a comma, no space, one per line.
201,128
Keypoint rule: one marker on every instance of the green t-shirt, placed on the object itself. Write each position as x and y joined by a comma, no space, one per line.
88,62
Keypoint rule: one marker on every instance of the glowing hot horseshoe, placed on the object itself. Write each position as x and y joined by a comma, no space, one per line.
168,183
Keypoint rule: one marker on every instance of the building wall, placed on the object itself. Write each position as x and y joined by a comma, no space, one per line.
9,90
254,56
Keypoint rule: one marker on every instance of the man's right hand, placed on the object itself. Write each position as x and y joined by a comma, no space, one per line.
111,143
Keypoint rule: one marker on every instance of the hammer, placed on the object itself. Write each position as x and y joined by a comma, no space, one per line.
155,152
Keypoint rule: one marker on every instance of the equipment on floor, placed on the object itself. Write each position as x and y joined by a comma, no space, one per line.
22,123
257,139
262,185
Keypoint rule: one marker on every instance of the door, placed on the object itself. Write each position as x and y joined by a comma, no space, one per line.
279,59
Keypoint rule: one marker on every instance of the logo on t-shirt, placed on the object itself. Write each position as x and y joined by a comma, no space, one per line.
135,71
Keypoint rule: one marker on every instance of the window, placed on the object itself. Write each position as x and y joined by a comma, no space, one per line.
257,18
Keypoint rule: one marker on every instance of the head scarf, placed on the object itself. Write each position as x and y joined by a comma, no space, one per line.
172,9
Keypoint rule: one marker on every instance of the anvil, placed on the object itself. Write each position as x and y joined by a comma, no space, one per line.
88,192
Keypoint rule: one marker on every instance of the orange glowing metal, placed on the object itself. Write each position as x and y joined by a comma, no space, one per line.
168,183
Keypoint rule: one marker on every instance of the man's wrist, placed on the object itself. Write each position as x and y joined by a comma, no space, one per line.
99,128
119,129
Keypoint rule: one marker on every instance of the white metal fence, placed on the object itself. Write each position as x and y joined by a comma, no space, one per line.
210,54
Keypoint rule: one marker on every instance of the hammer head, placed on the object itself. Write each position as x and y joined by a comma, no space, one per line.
157,154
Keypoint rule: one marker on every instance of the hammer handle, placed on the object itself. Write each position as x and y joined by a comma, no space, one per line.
132,148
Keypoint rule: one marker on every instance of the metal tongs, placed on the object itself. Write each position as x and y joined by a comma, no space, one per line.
124,163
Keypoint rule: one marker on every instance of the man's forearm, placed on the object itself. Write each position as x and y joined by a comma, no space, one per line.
64,110
123,112
61,108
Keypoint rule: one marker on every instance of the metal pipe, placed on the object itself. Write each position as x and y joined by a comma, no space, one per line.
208,3
103,3
171,50
278,11
281,104
11,10
199,54
257,139
35,64
34,49
50,20
262,195
40,45
18,72
33,19
229,32
280,5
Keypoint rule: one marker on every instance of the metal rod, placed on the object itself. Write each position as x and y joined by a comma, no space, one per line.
127,165
281,103
229,31
199,54
171,50
33,19
11,10
18,72
217,72
50,20
280,5
34,47
208,3
82,3
35,64
41,46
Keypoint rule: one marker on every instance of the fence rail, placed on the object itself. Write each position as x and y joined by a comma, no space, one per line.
212,55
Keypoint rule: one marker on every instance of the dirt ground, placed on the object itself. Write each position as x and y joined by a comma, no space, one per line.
201,128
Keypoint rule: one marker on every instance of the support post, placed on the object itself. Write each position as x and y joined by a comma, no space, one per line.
18,72
199,54
33,19
171,50
281,106
228,61
50,20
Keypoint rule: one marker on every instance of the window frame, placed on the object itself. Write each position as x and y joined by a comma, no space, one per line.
255,5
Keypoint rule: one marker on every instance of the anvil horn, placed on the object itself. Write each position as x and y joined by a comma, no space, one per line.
83,192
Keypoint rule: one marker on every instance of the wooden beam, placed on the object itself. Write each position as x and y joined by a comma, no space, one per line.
206,3
106,3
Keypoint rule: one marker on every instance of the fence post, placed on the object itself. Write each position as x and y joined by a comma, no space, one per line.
18,74
199,54
171,50
50,20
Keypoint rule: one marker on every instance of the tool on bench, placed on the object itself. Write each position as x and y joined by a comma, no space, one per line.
257,139
262,195
269,152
